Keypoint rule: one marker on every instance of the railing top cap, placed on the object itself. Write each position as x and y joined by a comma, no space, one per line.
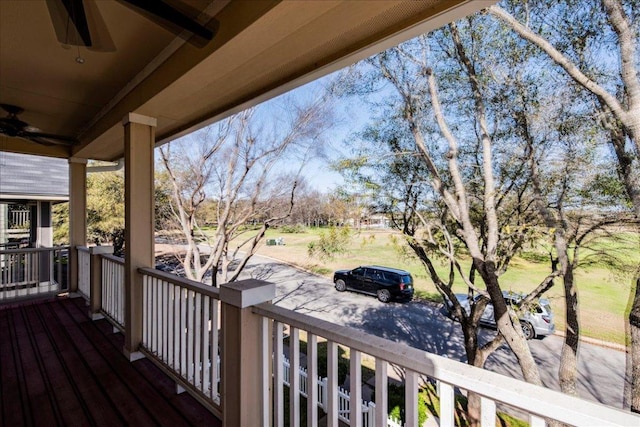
31,250
181,282
96,250
245,293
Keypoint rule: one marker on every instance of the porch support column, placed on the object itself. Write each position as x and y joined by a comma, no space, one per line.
242,344
44,232
44,238
77,216
139,140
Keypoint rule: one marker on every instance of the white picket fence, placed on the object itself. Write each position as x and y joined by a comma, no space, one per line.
368,413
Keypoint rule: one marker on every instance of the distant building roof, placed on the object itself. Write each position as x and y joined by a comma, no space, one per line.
25,177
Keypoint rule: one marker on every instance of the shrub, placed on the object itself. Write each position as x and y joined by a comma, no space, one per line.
395,402
330,244
370,240
292,229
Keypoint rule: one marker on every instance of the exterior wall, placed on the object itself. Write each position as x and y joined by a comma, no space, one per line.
34,181
24,178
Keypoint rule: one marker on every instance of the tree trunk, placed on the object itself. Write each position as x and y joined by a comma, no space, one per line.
632,186
569,357
509,328
475,357
634,326
568,369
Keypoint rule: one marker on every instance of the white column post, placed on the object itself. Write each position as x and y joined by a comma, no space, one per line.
139,141
77,216
241,355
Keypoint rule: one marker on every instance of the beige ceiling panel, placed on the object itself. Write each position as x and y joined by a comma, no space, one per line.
19,145
261,63
262,49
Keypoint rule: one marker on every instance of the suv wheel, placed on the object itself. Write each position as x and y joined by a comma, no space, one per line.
384,295
528,331
340,285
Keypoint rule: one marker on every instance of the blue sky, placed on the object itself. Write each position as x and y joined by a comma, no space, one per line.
350,115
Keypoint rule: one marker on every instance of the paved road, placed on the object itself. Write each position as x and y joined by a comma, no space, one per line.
426,327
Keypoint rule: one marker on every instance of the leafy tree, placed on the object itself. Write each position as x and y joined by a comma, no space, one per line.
162,199
60,223
333,242
105,209
569,200
546,151
600,55
311,209
105,212
461,194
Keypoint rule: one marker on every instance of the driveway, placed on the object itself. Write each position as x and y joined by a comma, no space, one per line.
425,326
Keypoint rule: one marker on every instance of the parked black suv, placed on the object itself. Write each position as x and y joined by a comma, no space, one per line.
383,282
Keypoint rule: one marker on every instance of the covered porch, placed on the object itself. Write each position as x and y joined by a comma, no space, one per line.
222,347
235,355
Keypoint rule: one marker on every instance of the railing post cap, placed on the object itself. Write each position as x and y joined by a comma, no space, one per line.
245,293
96,250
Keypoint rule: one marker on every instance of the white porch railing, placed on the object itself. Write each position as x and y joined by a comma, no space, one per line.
540,403
181,324
32,271
84,271
180,330
19,219
113,289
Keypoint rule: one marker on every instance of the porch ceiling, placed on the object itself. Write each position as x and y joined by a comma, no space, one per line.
262,49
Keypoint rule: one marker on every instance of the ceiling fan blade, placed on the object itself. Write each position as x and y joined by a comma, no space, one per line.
44,142
75,8
101,40
53,138
16,128
12,110
163,13
70,22
12,123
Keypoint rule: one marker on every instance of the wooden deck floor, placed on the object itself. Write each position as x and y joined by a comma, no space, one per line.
57,367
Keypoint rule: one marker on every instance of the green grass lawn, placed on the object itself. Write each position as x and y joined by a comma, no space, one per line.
604,291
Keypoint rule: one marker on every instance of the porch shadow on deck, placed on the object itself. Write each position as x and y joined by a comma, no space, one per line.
57,367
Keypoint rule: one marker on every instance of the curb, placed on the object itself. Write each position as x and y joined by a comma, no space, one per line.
297,267
600,343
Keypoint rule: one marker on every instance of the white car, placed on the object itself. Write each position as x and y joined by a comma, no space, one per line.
538,321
